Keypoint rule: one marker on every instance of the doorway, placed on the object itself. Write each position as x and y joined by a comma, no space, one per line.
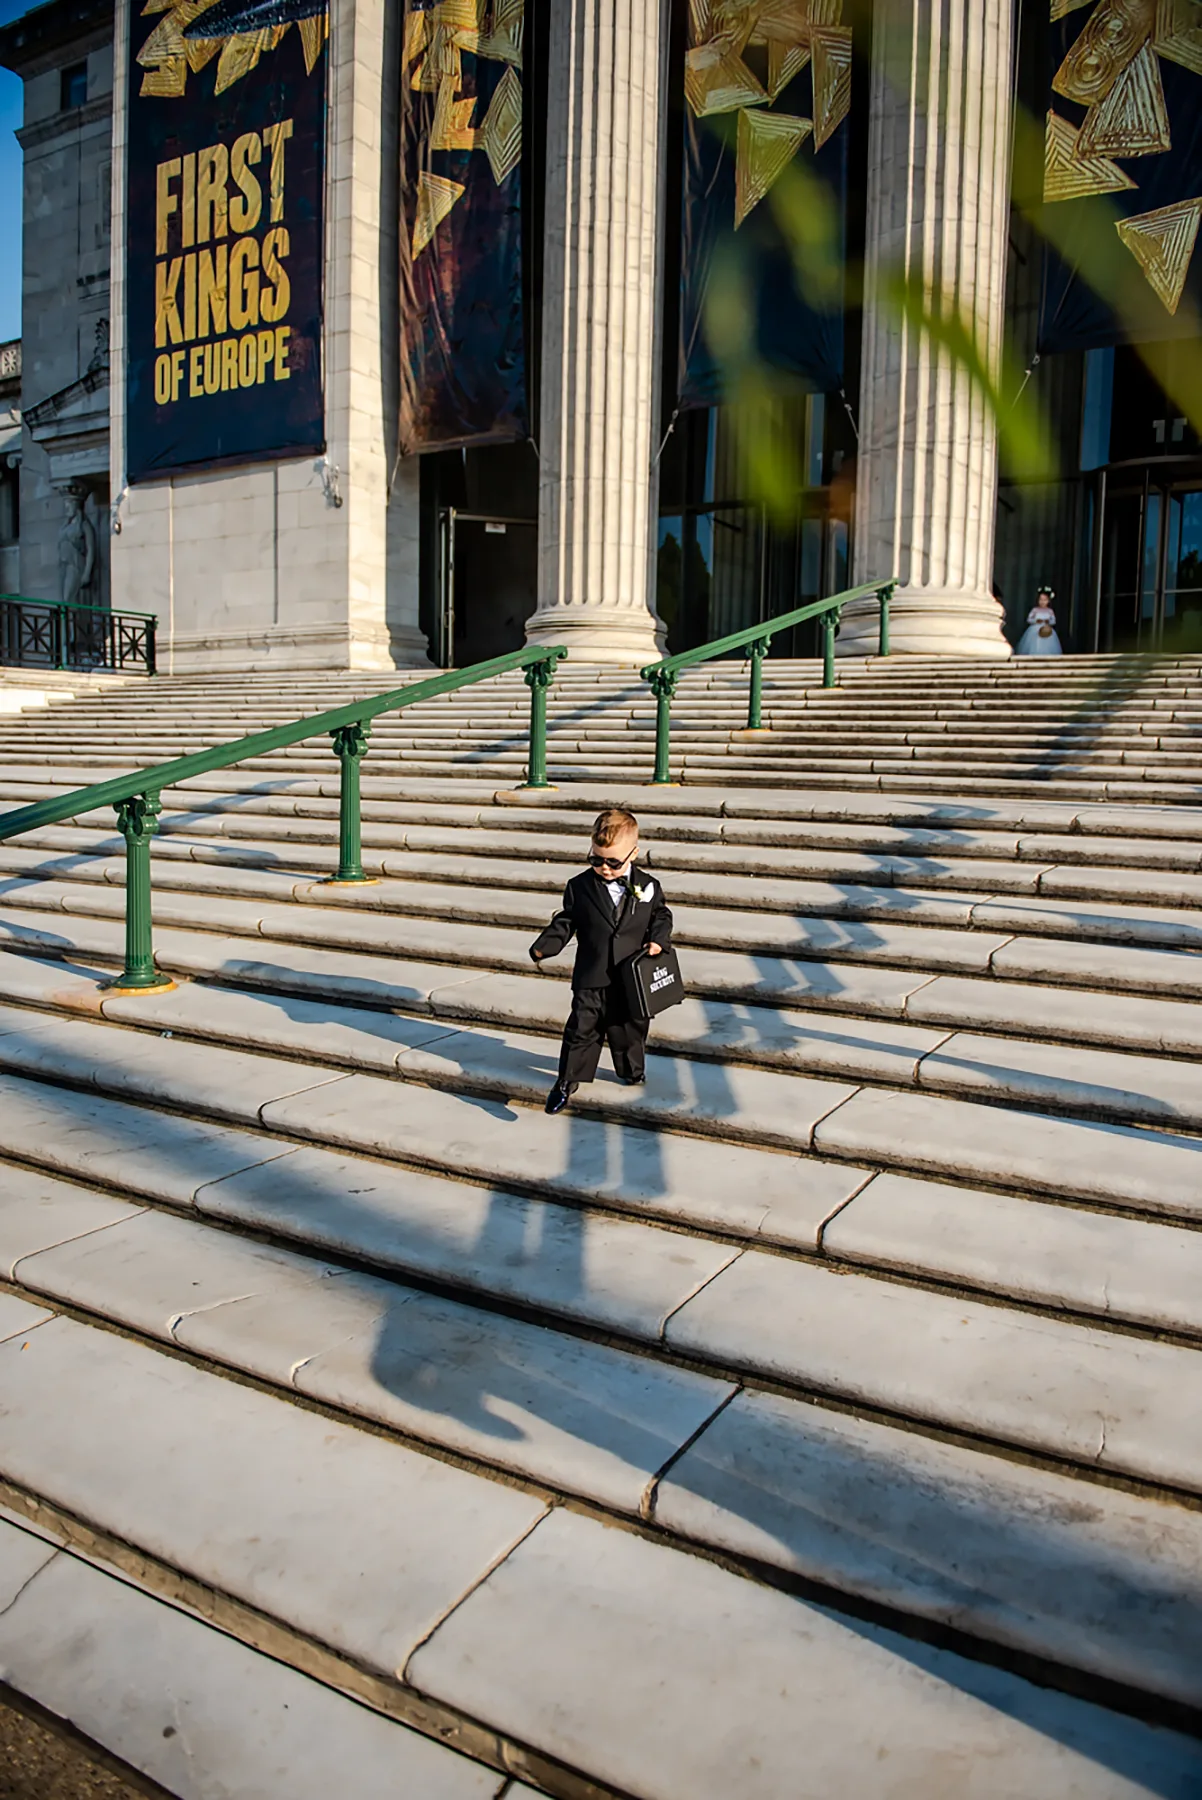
1151,586
488,586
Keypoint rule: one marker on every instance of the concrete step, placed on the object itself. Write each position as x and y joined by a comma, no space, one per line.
667,810
757,1047
751,846
466,1550
196,1442
841,1129
1134,785
570,746
188,1706
730,953
777,996
529,1251
887,1281
857,989
721,911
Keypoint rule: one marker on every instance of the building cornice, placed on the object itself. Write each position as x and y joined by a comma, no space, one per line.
47,411
35,43
93,112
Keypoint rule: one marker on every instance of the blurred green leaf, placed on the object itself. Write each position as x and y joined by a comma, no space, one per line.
1025,442
769,456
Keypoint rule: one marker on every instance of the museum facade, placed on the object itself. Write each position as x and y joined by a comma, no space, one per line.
398,332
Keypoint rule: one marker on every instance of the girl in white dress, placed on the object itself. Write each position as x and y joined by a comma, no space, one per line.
1040,638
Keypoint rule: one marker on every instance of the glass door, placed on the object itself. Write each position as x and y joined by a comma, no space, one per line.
1151,591
1181,592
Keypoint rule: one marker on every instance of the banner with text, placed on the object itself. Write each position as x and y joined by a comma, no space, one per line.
1122,174
463,354
767,89
224,233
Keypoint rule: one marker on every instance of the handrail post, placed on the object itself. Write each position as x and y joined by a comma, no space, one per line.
830,625
151,653
756,652
137,820
884,595
538,677
350,744
663,686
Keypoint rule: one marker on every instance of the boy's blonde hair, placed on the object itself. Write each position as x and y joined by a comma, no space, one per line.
612,824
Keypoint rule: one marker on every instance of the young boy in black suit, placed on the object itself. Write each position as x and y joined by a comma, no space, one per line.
614,910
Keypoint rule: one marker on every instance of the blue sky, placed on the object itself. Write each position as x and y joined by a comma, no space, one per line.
10,189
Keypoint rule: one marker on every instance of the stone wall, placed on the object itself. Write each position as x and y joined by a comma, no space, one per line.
65,299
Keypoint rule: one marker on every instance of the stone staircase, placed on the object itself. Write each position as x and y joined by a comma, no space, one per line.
1089,728
824,1417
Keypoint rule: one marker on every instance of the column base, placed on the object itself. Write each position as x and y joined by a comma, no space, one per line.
409,648
600,634
926,622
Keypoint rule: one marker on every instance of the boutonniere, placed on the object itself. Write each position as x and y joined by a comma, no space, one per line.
642,893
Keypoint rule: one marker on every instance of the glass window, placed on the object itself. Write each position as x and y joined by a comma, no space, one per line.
1188,573
1097,407
8,508
815,439
1183,586
722,564
73,86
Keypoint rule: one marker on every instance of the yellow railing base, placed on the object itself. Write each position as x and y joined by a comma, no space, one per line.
115,986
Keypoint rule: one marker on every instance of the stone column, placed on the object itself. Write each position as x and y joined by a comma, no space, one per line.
938,210
601,335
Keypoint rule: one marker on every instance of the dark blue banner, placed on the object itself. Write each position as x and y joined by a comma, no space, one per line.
767,89
224,234
463,354
1122,178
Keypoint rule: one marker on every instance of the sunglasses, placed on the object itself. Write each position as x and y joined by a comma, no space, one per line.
609,862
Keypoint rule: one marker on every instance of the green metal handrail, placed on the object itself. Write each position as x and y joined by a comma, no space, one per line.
136,797
84,606
663,676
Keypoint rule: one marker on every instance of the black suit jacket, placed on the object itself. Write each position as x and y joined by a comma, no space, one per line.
605,938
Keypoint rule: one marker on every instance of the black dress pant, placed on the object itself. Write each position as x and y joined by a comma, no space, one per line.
601,1014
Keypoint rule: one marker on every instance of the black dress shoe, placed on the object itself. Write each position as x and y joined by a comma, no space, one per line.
559,1096
633,1080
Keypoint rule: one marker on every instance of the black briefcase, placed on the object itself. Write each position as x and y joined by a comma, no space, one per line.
651,983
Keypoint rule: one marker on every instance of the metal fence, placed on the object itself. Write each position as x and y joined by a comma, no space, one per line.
50,634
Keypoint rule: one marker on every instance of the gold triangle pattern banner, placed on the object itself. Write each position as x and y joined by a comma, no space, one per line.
437,38
463,360
1110,129
178,45
767,85
742,56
